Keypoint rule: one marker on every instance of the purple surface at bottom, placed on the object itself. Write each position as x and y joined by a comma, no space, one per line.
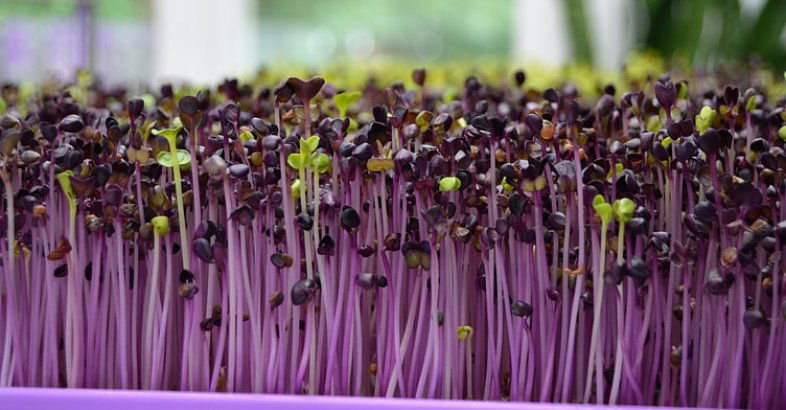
76,399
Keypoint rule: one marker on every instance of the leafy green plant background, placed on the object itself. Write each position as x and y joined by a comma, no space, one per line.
700,32
678,28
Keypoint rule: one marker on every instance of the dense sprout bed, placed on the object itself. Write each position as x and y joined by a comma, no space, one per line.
507,244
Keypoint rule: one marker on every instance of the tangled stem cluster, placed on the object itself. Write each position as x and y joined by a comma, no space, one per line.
505,244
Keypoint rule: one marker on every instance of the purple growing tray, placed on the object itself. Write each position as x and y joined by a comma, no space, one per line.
77,399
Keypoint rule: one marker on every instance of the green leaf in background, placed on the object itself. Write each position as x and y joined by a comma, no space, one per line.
464,332
618,168
602,208
449,184
623,209
706,32
604,212
379,164
653,123
442,28
705,118
64,180
344,100
170,134
183,159
320,162
295,188
579,31
160,225
307,146
751,104
295,160
246,136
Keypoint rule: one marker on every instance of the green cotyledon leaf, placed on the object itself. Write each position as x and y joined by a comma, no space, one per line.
307,146
449,184
344,100
296,160
183,159
602,208
64,180
320,162
704,119
623,209
464,332
160,225
170,134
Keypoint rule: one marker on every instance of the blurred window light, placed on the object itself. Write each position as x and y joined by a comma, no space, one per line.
320,45
751,8
405,29
202,41
428,45
359,44
134,42
539,32
611,38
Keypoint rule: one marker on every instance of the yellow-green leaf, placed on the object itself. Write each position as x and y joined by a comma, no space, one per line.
160,225
295,160
604,211
183,159
653,123
246,136
320,162
307,146
707,113
449,184
705,118
344,100
464,332
506,187
353,125
423,120
618,167
751,104
295,187
602,208
599,199
623,209
379,164
64,179
782,132
170,134
84,78
682,91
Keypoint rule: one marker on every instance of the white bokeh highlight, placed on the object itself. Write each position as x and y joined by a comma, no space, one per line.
200,41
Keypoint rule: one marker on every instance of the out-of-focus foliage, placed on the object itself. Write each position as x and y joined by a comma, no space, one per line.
708,31
104,9
705,34
428,30
641,68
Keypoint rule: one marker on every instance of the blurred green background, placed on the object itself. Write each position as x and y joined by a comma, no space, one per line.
202,40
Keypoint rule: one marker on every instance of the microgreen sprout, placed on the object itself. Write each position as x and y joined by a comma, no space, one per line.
171,138
487,241
345,100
